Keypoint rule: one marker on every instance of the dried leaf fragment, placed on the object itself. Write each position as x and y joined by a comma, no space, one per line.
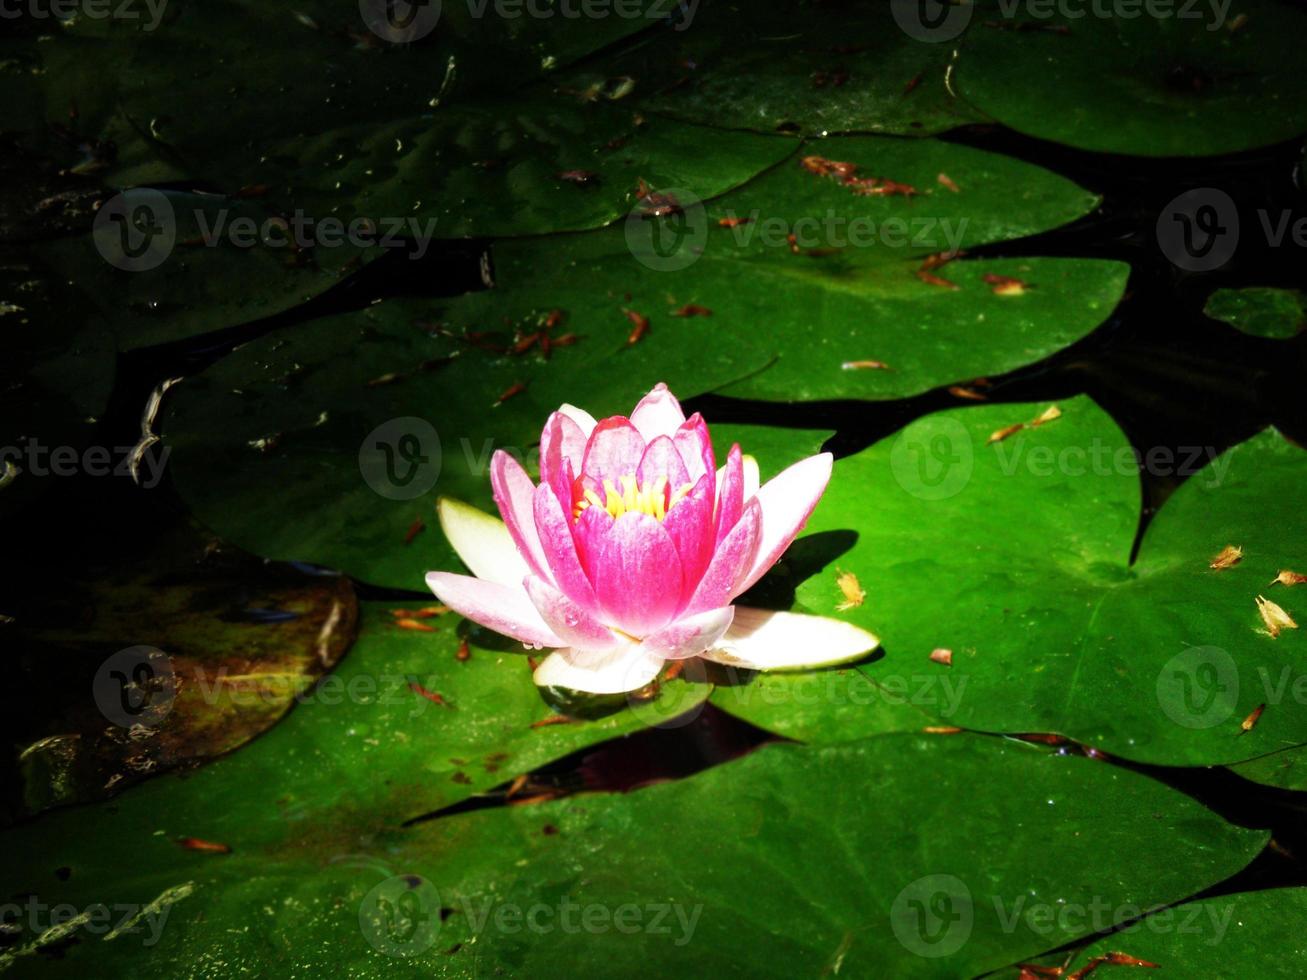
1275,618
942,655
1249,723
852,590
208,846
1227,557
946,181
509,392
1004,285
1287,577
639,326
414,529
1006,432
414,625
692,309
864,366
552,720
1047,415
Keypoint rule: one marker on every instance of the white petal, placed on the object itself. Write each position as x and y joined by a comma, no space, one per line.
627,668
764,640
483,542
580,416
752,478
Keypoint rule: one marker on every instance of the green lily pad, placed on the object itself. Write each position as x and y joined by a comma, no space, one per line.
1286,769
1248,934
384,132
1013,555
1261,311
314,412
55,377
1203,79
812,68
505,168
947,896
164,266
186,651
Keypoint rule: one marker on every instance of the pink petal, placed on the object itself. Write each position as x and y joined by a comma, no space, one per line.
690,636
502,608
589,532
658,414
695,447
690,526
614,450
638,575
787,502
561,441
513,494
662,459
732,559
730,492
555,530
628,667
577,627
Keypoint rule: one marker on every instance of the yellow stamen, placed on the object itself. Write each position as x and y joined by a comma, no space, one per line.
633,498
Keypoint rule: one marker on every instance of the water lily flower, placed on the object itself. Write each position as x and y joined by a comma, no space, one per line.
631,550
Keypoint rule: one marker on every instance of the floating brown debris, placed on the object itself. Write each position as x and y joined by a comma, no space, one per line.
1227,557
510,392
208,846
930,279
943,656
414,625
732,222
946,181
865,366
1287,577
432,696
692,309
414,529
552,720
639,326
581,178
941,730
960,391
464,654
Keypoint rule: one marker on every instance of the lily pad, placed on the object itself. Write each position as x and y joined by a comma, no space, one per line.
360,421
811,68
1010,548
1201,79
504,168
170,658
451,897
1260,311
1286,769
1247,934
55,377
164,266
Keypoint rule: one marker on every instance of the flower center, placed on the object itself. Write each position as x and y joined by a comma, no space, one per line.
655,499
